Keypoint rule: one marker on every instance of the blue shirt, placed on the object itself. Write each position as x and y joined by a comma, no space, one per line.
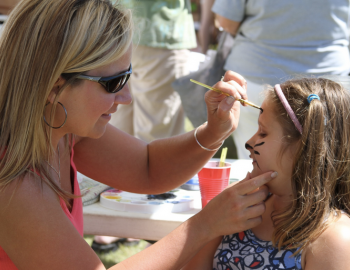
279,39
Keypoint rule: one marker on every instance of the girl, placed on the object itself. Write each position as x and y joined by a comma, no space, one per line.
64,68
304,135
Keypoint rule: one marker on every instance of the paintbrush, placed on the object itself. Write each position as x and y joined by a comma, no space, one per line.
218,91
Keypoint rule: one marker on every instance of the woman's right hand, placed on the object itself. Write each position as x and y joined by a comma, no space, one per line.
223,111
239,207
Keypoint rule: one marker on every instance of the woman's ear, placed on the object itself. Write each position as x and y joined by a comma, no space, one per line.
55,89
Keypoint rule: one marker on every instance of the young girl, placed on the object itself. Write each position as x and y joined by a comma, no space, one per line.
303,135
64,68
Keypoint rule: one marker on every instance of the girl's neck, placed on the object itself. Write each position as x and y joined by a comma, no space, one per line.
274,205
280,203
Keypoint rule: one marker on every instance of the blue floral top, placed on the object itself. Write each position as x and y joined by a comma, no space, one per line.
243,251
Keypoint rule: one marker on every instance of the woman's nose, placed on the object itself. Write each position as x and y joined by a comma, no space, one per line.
123,96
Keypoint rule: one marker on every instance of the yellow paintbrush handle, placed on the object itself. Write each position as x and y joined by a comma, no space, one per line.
218,91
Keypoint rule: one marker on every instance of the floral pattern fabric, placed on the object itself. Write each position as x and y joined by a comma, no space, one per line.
244,251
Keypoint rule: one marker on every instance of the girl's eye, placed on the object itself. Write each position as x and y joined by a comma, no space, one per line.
262,135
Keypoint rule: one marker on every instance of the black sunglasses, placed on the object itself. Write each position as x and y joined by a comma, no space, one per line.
112,84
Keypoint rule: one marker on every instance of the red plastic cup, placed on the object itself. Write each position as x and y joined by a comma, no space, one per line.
212,180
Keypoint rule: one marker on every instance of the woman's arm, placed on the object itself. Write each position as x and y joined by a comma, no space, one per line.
119,160
36,234
229,212
203,260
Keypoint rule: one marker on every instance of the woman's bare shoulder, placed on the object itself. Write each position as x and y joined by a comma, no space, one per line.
28,189
332,248
24,198
35,232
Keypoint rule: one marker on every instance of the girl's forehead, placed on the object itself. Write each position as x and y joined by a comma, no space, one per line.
265,109
267,116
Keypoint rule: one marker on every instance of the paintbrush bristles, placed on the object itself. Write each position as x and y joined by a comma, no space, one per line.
218,91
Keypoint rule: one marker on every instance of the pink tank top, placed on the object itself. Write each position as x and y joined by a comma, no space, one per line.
76,217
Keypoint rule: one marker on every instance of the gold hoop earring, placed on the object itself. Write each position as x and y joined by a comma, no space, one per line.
65,111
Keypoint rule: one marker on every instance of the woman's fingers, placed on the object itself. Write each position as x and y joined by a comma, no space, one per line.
239,207
232,88
253,222
255,211
233,76
247,177
256,198
251,184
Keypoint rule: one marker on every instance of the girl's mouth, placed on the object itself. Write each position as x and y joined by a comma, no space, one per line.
107,116
254,161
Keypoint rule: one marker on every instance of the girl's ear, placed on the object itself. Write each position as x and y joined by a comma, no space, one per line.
55,89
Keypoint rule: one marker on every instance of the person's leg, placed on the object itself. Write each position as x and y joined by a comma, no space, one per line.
157,107
248,120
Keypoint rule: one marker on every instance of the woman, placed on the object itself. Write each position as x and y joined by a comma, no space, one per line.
64,65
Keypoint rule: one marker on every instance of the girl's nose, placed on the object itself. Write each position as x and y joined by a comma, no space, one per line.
249,144
123,96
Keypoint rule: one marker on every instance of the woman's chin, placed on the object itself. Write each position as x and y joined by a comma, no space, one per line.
95,133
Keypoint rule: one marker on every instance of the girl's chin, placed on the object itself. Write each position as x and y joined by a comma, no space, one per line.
255,172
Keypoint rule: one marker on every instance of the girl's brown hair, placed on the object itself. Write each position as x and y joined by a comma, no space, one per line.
41,40
321,168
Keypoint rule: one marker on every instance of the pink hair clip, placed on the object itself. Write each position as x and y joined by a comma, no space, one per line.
288,108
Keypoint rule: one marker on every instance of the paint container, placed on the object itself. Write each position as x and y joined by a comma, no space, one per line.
131,202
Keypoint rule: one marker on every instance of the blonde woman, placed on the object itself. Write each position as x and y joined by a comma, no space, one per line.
64,67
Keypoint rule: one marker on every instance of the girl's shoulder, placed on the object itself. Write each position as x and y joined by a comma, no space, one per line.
332,248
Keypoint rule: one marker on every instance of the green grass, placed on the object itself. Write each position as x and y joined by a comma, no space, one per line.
123,252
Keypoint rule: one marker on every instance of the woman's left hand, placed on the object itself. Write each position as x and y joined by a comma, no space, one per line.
223,111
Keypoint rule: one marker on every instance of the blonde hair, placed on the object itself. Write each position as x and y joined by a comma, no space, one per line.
321,168
41,40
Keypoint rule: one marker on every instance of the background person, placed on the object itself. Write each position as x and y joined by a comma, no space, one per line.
277,40
160,55
207,25
64,67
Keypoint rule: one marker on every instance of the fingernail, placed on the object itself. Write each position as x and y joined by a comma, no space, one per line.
274,174
230,100
238,97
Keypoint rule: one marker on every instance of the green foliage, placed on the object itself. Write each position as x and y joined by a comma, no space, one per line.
124,251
